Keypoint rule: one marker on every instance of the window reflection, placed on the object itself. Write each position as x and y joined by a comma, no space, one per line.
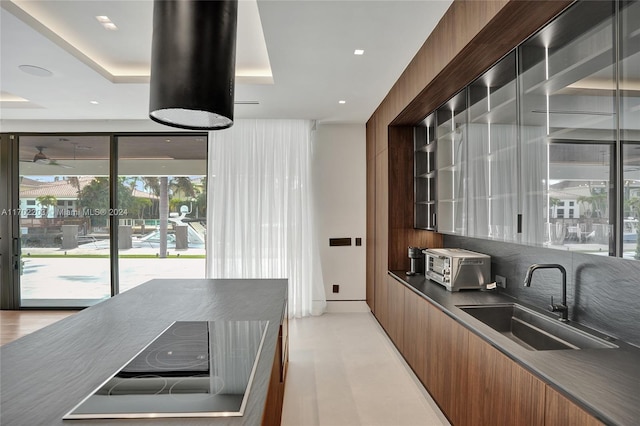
579,197
451,155
568,130
493,153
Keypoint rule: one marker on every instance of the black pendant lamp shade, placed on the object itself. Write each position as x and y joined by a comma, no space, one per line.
193,63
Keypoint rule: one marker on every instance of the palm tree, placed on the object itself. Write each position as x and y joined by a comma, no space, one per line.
201,197
553,202
598,203
152,184
73,180
182,187
47,201
160,188
586,205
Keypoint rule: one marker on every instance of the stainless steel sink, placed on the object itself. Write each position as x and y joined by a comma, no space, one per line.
533,330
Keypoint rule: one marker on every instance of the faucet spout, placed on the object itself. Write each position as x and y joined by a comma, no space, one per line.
562,308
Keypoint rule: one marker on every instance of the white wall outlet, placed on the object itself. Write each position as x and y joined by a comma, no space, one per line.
501,281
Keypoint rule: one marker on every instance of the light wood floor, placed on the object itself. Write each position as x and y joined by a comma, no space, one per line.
343,371
15,324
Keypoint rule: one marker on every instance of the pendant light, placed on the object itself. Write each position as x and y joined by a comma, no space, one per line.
193,61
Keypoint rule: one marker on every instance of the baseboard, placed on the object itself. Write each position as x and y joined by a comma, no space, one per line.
347,306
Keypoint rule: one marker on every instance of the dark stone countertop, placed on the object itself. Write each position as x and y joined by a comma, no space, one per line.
605,382
45,374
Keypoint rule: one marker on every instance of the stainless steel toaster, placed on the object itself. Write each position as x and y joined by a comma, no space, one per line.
457,269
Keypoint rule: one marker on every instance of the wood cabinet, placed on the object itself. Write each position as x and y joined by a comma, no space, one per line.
503,392
462,46
472,382
382,303
434,345
416,319
396,309
560,411
446,365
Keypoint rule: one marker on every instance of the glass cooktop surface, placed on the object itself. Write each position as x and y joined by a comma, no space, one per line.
192,369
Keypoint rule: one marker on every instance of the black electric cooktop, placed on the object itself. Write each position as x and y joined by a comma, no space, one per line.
192,369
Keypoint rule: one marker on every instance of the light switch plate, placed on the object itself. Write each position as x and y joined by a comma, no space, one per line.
501,281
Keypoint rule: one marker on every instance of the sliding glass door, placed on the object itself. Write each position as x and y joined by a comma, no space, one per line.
162,203
90,216
64,222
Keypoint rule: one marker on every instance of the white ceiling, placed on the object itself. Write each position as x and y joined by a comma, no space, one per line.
309,44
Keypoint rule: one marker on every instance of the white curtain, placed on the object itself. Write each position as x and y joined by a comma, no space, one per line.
493,181
259,216
534,174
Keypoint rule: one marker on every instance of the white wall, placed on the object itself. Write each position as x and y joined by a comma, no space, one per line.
339,172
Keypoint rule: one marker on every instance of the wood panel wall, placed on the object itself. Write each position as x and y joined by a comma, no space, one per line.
371,199
470,37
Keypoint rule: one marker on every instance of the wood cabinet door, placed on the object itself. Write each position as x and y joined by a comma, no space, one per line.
382,303
416,316
446,375
396,312
560,411
503,392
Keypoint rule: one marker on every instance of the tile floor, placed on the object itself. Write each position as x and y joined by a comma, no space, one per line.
344,371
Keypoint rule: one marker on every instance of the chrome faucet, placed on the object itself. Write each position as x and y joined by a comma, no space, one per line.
562,308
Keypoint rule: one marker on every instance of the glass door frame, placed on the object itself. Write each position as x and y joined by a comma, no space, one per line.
9,223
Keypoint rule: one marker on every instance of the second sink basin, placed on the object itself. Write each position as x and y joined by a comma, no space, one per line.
533,330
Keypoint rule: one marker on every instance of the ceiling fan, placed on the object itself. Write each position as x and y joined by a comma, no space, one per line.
43,159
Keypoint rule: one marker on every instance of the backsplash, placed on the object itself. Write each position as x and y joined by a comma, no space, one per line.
603,293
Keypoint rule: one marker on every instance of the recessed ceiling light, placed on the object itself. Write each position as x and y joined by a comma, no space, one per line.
8,97
34,70
358,52
342,102
94,102
106,23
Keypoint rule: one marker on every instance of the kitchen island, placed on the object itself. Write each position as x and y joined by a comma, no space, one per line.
45,374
